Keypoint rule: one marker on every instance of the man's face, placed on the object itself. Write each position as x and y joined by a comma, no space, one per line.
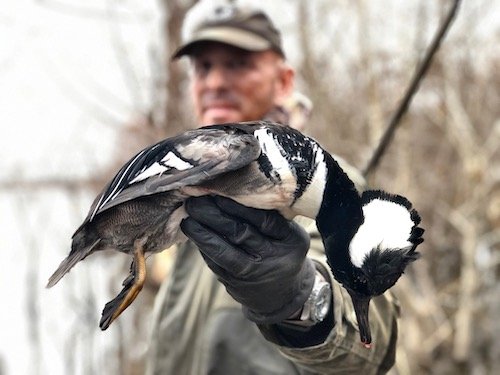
233,85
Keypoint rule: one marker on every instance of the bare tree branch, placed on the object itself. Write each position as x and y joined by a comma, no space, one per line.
123,59
410,92
175,13
53,183
32,306
91,12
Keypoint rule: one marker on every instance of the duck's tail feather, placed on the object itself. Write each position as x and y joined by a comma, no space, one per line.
67,264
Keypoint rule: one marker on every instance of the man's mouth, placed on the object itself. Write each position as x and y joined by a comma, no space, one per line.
220,112
219,105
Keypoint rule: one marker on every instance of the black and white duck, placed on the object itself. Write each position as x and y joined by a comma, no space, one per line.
369,238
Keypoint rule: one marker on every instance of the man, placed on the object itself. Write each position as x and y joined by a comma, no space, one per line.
243,297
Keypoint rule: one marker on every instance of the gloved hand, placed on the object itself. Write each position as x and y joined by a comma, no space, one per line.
258,255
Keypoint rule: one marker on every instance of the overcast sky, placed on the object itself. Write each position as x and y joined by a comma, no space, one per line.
62,99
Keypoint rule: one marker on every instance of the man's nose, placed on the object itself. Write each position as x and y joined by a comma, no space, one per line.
216,78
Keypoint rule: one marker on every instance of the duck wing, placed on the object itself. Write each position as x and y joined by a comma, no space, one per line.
188,159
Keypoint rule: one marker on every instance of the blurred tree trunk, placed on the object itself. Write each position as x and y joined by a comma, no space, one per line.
308,66
375,119
311,70
174,120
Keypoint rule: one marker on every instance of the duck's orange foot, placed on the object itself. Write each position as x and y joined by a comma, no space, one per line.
132,285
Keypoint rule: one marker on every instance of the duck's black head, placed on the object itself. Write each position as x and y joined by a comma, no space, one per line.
369,258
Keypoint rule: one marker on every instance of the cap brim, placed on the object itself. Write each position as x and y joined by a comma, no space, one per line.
227,35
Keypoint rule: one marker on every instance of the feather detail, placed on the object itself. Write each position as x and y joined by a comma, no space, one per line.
69,262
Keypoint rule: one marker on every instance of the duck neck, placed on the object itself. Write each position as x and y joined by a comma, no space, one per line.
340,214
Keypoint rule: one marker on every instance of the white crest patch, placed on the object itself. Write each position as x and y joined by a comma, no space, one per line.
387,225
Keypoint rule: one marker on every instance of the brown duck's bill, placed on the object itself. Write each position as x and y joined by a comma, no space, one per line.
361,308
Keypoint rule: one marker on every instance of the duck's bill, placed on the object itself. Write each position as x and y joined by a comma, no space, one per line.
361,307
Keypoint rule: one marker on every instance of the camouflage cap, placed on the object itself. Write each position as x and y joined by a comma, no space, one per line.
243,27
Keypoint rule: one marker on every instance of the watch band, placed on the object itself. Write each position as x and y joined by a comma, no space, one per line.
316,307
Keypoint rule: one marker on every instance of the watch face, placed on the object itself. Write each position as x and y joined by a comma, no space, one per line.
322,303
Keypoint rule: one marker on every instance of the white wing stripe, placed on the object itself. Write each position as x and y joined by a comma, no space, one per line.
114,192
154,169
169,161
173,161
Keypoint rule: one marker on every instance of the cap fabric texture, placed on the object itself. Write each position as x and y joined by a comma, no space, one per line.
243,27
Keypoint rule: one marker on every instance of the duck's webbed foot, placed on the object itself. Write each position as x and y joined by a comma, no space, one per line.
132,285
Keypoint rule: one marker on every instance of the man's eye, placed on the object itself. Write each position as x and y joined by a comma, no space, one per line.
206,66
239,64
202,67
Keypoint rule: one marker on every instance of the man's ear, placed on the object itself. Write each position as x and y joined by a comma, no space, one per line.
285,84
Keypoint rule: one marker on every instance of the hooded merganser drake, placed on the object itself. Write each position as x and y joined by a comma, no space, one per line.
369,239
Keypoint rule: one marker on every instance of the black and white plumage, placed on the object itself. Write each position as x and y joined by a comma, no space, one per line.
369,239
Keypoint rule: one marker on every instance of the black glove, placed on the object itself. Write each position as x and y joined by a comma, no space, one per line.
258,255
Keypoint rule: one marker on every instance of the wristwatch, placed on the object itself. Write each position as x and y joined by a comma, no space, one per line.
316,307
